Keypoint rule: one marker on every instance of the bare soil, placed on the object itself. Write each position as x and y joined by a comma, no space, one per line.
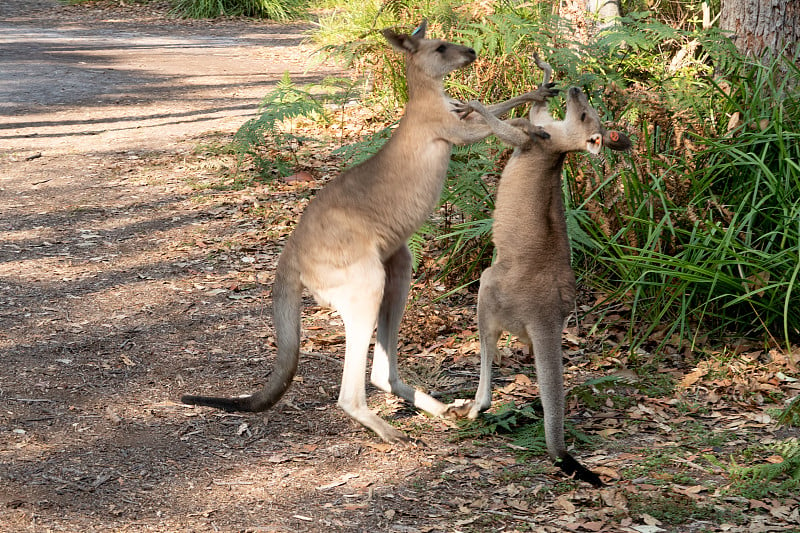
124,284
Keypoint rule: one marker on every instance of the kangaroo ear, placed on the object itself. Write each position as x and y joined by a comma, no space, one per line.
616,140
419,32
401,42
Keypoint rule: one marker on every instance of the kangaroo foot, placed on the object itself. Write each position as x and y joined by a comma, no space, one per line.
459,409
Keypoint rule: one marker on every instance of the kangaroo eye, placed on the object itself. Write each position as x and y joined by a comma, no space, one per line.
583,117
441,48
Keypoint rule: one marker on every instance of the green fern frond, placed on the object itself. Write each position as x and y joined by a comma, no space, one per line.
524,425
263,138
355,153
589,392
790,415
531,439
762,479
416,243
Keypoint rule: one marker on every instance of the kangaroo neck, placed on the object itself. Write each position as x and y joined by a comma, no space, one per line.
544,186
529,210
422,89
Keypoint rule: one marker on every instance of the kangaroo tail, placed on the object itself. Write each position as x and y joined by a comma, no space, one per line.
570,466
286,300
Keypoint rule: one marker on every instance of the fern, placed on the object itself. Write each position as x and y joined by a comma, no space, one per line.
590,392
417,243
272,149
787,472
530,440
355,153
279,10
524,425
790,415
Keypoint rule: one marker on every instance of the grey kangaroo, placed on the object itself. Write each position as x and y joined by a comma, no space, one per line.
530,290
349,248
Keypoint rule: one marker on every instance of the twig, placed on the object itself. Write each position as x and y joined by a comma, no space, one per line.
31,400
509,515
323,356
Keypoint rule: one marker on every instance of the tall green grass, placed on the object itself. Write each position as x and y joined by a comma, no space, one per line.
706,241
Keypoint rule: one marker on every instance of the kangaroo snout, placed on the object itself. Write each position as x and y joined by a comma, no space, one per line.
468,55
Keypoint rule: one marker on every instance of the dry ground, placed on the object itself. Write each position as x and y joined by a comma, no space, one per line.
124,284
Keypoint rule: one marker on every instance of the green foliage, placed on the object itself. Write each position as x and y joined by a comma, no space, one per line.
790,415
674,509
594,392
523,424
272,149
708,233
280,10
779,478
501,38
465,225
357,152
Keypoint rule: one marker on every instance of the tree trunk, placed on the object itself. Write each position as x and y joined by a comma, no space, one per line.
762,26
606,11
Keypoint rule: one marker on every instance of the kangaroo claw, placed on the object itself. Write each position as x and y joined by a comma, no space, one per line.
458,409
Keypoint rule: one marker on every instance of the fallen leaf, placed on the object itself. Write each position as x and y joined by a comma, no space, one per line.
647,529
341,481
614,498
299,177
608,472
692,377
563,502
379,446
696,489
650,520
113,416
518,504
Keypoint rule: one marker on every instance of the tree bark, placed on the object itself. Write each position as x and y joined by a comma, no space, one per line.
607,12
762,26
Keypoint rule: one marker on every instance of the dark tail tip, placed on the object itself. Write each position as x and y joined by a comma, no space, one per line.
226,404
571,467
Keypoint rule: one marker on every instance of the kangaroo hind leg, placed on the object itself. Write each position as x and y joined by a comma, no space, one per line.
384,373
489,330
358,301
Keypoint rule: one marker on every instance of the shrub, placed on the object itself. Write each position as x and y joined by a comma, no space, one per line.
280,10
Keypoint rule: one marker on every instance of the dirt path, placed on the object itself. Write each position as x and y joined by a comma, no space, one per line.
121,287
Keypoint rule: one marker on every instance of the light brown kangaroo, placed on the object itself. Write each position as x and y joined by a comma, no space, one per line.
530,289
349,248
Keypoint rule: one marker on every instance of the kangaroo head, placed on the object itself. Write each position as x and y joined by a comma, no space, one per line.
434,57
581,129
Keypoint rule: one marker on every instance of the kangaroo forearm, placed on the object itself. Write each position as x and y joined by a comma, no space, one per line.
506,131
502,108
472,132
